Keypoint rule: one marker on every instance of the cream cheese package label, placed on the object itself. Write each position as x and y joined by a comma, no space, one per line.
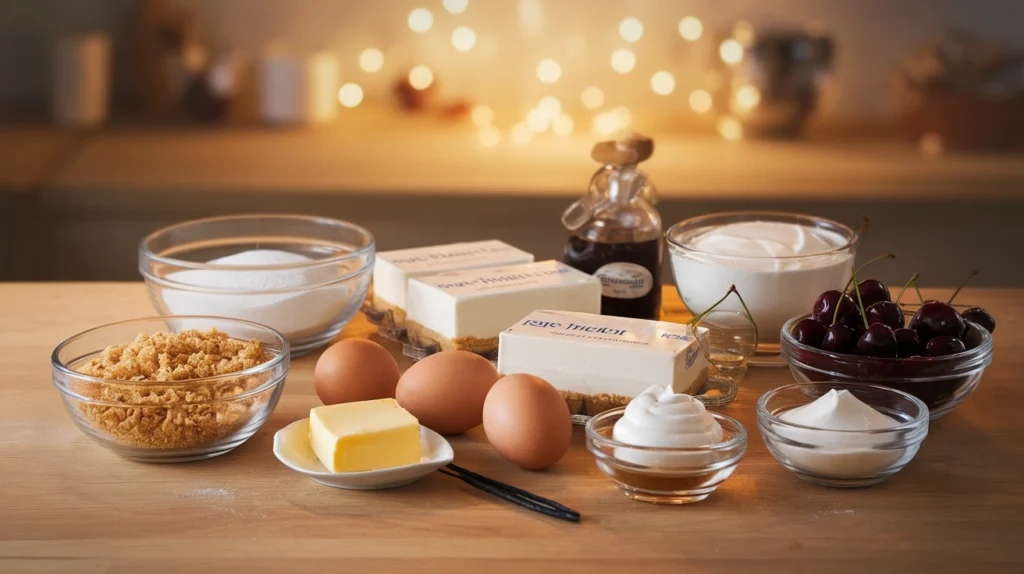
596,354
393,269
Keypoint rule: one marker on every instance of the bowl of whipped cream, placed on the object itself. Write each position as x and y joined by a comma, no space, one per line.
842,434
779,262
303,276
665,447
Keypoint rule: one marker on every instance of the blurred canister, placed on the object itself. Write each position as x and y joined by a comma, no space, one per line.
81,80
298,89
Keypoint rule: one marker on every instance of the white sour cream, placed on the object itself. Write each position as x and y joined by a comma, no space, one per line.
839,454
661,418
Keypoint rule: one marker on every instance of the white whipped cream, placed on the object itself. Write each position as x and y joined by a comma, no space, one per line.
839,454
661,418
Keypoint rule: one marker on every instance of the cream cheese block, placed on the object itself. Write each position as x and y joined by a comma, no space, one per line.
468,309
601,362
393,269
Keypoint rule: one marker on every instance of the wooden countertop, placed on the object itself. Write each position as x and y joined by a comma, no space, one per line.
378,154
67,504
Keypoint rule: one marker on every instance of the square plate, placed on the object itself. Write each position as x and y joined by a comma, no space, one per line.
291,447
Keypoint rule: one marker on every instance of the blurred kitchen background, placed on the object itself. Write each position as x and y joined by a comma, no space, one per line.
431,121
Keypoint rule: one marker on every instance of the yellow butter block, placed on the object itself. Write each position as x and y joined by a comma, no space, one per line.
367,435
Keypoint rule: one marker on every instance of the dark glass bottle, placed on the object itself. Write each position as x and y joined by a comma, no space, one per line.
615,232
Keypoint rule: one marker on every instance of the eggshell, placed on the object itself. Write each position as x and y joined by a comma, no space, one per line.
446,390
527,421
355,370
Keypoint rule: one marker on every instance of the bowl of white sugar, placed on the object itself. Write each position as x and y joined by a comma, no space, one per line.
304,276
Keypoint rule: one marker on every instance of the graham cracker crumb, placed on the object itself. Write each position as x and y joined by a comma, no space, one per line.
177,415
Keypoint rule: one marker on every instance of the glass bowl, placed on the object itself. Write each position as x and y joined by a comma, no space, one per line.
175,421
665,475
941,382
316,285
842,458
774,288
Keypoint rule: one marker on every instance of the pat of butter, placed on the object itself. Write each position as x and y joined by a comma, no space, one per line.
367,435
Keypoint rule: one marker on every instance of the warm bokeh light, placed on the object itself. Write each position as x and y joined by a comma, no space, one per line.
631,30
700,101
622,116
743,32
623,60
463,38
730,129
548,71
421,77
562,125
350,95
371,60
537,120
550,106
731,51
663,83
455,6
482,116
420,20
490,136
690,28
747,97
521,134
592,98
605,124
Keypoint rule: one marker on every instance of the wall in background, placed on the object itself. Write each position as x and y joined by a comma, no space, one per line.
513,35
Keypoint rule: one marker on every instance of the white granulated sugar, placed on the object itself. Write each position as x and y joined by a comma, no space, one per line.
294,312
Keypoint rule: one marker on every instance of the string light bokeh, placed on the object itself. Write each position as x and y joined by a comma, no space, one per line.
565,90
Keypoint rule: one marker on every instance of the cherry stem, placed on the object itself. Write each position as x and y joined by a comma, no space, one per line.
920,299
853,276
957,292
860,304
913,281
732,289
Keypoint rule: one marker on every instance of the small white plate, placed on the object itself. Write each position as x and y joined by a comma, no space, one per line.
291,447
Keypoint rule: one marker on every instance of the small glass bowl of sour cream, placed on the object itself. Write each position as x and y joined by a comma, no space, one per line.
665,475
779,262
820,454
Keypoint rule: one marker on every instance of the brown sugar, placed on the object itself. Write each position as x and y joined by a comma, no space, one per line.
161,408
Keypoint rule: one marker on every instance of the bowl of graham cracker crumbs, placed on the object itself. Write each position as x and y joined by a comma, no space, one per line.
171,389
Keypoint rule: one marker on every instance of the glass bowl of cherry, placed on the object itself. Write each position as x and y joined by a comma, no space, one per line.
929,349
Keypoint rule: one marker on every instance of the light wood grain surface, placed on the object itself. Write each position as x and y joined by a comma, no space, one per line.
68,505
417,156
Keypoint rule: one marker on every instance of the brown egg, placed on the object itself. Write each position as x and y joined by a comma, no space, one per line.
527,421
355,370
446,390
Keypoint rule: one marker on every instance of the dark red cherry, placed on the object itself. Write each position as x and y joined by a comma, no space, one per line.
981,317
809,332
877,341
872,291
972,336
908,343
825,308
936,319
886,313
839,339
944,345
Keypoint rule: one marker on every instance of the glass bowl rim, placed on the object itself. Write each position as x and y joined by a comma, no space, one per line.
852,237
981,351
367,249
282,357
593,436
921,420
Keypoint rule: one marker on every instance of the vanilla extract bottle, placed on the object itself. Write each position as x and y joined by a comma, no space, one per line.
615,232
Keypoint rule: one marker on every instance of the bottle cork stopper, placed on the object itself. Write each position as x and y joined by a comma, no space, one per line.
634,149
